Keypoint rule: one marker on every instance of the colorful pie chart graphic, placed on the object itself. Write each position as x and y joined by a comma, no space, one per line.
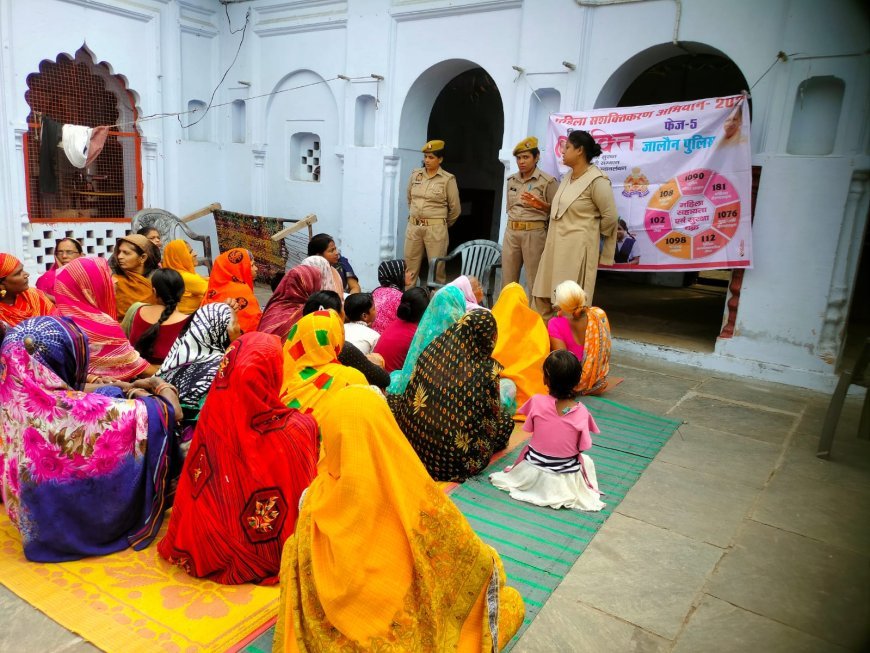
693,215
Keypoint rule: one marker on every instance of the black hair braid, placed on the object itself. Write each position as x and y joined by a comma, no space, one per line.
145,344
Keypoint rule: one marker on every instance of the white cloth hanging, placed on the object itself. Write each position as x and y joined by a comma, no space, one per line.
75,142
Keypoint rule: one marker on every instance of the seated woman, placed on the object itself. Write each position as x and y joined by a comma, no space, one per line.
251,458
394,278
311,367
381,558
154,328
284,307
471,290
193,361
446,307
360,312
133,261
324,245
523,343
178,255
372,366
152,234
232,277
18,301
585,332
85,294
84,474
451,411
396,339
329,277
65,250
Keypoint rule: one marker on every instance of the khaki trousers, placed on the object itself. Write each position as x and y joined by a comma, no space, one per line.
431,240
521,248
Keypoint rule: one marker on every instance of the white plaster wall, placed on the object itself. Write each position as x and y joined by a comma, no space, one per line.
173,50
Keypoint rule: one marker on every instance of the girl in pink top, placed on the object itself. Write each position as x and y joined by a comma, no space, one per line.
552,469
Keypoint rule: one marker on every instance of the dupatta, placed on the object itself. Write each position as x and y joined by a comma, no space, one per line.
446,307
85,294
596,352
232,278
177,257
284,307
311,367
451,411
250,460
83,474
523,342
382,559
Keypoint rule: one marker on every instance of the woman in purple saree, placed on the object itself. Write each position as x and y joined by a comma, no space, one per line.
81,473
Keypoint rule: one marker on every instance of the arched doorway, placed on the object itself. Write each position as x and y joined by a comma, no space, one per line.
469,117
458,102
675,308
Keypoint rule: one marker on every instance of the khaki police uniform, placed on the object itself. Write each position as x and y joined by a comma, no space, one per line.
526,231
433,204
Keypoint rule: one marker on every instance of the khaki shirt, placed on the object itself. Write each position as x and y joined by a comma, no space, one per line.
433,198
540,184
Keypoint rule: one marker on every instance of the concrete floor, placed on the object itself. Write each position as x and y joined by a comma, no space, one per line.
736,538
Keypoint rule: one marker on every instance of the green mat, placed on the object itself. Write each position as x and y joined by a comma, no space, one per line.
540,545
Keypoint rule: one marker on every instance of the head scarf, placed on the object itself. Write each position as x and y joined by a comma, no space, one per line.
464,285
523,342
177,257
284,307
68,451
387,300
232,278
451,411
428,582
391,274
132,287
8,264
59,344
85,294
250,460
327,273
194,357
30,303
45,282
311,367
446,307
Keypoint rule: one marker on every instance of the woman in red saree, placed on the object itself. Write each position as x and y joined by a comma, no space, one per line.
249,462
232,277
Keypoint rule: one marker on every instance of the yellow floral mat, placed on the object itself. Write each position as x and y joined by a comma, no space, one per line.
136,601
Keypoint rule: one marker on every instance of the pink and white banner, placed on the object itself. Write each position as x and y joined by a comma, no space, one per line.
682,178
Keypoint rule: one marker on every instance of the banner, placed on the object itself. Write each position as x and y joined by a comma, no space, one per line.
682,178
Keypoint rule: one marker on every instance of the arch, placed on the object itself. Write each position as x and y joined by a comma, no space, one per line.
421,98
306,111
414,123
625,75
79,90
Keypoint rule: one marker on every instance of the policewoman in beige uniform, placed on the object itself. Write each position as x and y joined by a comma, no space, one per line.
529,195
433,204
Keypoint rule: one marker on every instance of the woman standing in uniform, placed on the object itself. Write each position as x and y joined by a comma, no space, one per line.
433,205
582,230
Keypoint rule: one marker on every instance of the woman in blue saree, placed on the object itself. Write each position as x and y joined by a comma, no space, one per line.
81,473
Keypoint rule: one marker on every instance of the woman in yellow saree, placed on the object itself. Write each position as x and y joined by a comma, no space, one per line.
381,558
178,255
311,367
522,344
